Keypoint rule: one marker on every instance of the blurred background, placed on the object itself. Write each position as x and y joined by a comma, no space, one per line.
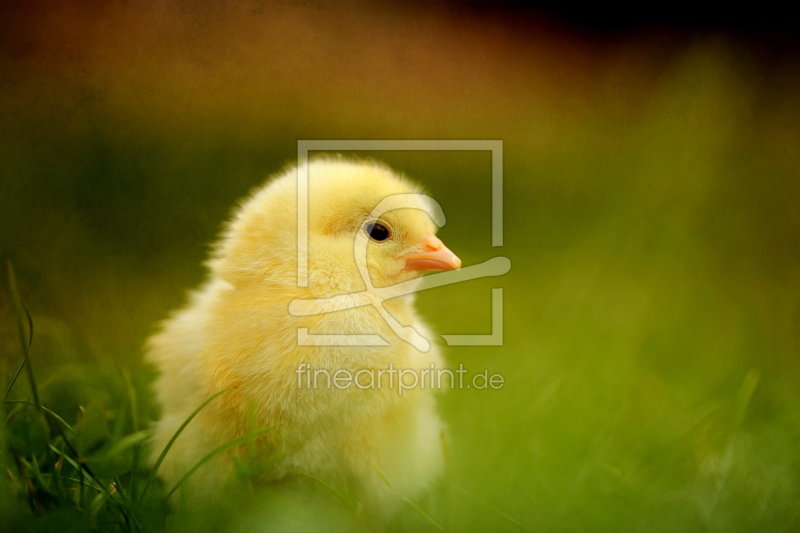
652,183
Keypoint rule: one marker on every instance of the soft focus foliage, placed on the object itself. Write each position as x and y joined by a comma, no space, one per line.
651,353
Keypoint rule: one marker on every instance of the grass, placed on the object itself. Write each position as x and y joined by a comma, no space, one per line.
651,312
53,477
49,470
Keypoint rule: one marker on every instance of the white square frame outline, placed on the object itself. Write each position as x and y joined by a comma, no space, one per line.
495,146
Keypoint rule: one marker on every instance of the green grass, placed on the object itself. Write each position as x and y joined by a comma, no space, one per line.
652,314
88,473
92,473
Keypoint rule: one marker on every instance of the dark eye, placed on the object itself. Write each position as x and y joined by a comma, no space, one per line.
376,231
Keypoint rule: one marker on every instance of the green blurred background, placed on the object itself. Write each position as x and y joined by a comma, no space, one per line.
652,184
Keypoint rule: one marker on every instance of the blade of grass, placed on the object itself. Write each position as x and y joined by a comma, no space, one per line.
126,507
492,508
22,361
57,474
126,443
46,411
73,479
95,483
36,474
746,391
163,454
136,452
408,501
24,343
132,401
214,453
425,515
13,380
333,490
96,505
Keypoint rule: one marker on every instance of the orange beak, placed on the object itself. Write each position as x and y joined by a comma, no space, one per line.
433,256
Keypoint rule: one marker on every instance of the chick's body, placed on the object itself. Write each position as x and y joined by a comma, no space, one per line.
236,332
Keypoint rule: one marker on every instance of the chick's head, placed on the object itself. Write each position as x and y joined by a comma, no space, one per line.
365,214
361,216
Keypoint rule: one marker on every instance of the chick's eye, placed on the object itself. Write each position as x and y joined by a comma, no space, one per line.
376,231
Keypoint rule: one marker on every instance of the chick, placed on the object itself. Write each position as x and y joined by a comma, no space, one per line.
236,332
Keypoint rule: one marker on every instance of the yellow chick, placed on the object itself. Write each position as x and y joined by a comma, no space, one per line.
380,439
